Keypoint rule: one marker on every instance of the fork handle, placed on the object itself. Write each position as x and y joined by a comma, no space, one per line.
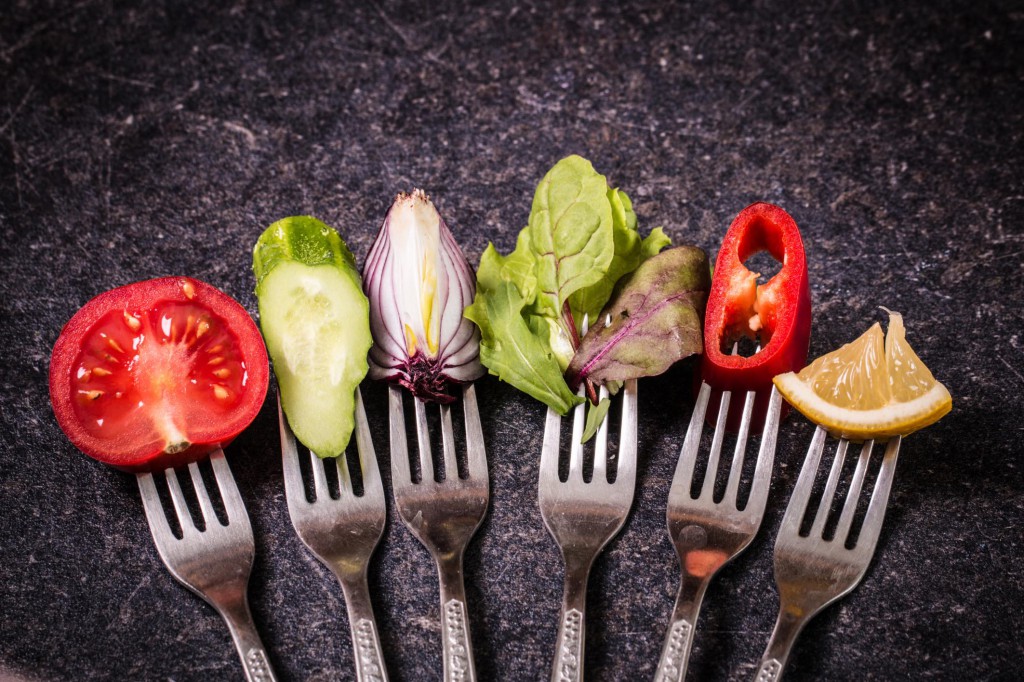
787,627
456,643
675,653
366,647
572,624
247,641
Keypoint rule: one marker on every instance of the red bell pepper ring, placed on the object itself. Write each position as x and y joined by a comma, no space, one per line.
776,313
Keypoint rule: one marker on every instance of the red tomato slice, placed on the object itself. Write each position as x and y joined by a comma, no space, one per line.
157,373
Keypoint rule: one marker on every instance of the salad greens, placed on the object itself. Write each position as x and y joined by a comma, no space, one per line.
581,238
653,321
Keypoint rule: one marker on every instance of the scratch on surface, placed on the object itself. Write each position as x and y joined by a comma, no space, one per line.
122,613
128,81
17,109
411,43
1012,369
7,53
250,137
846,196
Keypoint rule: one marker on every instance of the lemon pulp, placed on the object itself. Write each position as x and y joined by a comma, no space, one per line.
872,388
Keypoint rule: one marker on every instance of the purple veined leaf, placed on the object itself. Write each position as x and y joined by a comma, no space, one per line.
652,321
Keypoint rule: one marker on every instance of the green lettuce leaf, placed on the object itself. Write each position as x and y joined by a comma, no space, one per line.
653,321
581,239
654,243
571,232
513,352
595,415
630,251
517,267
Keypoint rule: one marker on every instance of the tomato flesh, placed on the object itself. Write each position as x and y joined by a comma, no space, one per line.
157,373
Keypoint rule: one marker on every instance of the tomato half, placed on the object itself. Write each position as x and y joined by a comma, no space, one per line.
157,374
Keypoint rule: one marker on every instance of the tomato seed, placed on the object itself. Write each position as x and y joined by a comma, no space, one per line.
132,322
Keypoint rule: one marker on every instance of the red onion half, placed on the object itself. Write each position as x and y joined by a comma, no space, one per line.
418,283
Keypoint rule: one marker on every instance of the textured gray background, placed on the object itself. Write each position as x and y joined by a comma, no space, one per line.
140,139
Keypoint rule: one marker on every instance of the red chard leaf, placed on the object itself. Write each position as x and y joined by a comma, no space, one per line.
652,321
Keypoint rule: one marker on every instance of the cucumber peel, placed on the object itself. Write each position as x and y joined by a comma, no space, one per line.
315,321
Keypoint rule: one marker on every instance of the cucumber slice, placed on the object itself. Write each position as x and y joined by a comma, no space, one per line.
315,321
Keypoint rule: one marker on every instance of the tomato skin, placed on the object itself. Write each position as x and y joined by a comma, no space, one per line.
782,309
140,307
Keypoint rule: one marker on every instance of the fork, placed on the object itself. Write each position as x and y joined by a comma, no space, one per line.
582,517
811,571
443,515
708,534
214,562
342,533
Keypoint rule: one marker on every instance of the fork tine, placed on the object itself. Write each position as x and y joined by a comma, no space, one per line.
209,516
552,439
476,455
688,454
872,526
294,488
154,510
364,445
853,496
802,490
233,506
451,467
626,472
601,446
736,468
344,478
323,493
716,447
825,504
576,447
423,441
178,500
400,471
766,455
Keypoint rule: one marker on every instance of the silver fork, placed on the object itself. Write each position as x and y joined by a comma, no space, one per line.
812,572
443,515
708,534
342,533
582,517
215,562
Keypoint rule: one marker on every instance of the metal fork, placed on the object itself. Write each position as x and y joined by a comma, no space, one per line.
342,533
708,534
443,515
214,562
582,517
811,571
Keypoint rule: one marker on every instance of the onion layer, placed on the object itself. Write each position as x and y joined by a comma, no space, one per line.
419,283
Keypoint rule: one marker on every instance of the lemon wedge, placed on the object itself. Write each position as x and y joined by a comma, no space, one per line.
872,388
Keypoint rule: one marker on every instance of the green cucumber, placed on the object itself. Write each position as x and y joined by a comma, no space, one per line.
315,320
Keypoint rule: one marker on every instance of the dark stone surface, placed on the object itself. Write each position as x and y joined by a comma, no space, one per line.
144,139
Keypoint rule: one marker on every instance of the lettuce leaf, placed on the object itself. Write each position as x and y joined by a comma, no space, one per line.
581,238
513,352
571,232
